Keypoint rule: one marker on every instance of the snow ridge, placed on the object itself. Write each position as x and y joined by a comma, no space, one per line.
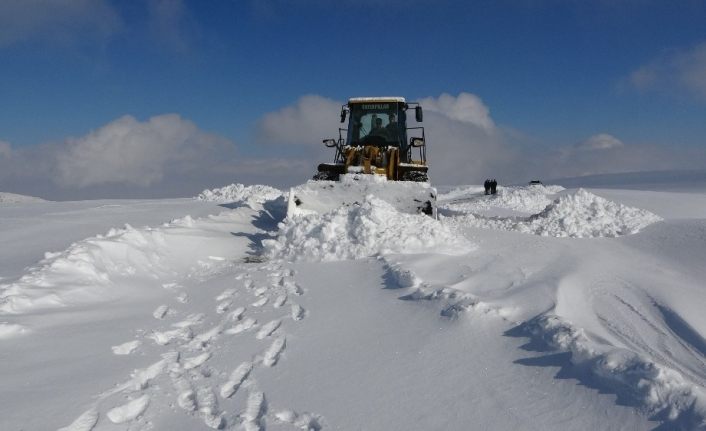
578,215
240,193
12,198
663,391
357,231
529,199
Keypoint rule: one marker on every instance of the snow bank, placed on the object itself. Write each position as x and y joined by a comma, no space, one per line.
11,198
361,230
89,270
578,215
240,193
663,391
529,199
76,272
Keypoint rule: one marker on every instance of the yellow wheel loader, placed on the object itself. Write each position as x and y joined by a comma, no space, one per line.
376,141
376,154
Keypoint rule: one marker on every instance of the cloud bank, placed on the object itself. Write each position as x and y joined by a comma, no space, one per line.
309,120
168,156
127,151
466,145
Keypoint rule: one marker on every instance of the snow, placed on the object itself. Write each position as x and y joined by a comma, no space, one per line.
12,198
536,308
578,215
531,199
353,232
236,193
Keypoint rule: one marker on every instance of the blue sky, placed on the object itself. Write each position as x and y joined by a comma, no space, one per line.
551,73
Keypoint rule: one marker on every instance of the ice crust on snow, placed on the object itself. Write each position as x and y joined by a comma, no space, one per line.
357,231
530,199
240,193
578,215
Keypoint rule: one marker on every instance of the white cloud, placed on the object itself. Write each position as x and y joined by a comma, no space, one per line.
466,108
56,20
601,141
311,119
682,71
127,151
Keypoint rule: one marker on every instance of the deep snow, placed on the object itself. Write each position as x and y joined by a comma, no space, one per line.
537,308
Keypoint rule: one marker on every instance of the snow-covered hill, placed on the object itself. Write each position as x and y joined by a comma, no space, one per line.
537,308
12,198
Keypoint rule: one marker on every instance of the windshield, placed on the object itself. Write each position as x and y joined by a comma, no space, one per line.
375,123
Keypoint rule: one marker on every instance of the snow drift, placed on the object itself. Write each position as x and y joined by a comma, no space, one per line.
578,215
529,199
662,391
240,193
356,231
12,198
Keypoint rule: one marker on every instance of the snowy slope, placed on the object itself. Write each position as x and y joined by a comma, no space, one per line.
538,308
12,198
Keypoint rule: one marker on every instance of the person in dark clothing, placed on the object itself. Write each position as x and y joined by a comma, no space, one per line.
486,185
493,186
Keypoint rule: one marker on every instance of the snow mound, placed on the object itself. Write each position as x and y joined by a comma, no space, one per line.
240,193
663,391
361,230
578,215
528,199
90,269
76,273
12,198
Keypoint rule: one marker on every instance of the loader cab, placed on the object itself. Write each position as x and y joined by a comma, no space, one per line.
378,121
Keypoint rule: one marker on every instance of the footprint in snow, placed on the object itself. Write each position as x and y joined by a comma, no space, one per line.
160,312
279,301
228,293
166,337
243,326
237,377
183,298
191,320
267,329
254,410
129,411
297,312
273,353
196,361
208,408
126,348
260,302
85,422
305,421
260,291
236,314
223,307
293,288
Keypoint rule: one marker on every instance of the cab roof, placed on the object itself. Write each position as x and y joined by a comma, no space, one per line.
384,99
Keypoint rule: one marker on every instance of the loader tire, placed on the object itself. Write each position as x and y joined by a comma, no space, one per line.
420,177
326,176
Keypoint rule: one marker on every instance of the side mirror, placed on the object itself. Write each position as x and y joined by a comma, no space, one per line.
418,114
416,142
330,143
343,115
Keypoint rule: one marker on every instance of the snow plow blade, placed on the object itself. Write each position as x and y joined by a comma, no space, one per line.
319,197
